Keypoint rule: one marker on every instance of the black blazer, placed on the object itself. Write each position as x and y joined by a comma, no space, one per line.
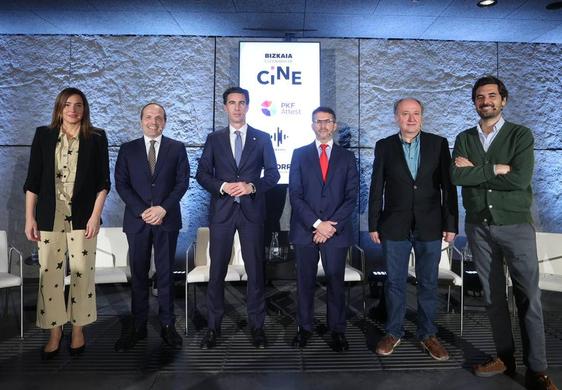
397,201
92,176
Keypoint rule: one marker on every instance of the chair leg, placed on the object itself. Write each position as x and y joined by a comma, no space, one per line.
21,310
6,301
462,306
449,299
348,296
364,303
186,305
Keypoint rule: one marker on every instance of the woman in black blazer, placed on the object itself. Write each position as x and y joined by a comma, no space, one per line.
65,190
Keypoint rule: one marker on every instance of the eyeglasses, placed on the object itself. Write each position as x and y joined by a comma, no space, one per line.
320,122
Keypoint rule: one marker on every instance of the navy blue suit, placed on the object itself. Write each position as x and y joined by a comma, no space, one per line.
141,190
217,166
311,200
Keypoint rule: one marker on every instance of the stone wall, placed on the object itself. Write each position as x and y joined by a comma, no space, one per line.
360,79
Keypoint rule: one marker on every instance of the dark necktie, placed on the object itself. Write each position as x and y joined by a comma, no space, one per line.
152,157
324,162
237,154
238,147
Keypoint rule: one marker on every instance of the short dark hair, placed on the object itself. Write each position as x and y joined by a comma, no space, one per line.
397,103
489,79
324,109
236,90
153,103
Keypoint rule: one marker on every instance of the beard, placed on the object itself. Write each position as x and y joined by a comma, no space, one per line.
494,112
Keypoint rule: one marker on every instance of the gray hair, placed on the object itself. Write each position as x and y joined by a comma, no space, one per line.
397,103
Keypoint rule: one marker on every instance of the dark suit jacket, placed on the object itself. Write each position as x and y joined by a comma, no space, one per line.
311,199
92,176
397,200
217,165
139,190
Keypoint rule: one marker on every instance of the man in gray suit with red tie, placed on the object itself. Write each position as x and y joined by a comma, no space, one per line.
323,188
151,176
230,169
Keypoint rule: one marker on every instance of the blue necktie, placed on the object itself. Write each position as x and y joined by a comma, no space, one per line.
238,147
237,154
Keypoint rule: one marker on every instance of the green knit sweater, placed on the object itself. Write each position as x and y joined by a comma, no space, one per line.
487,198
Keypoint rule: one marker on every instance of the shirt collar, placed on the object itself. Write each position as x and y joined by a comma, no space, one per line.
242,130
63,135
499,124
330,143
157,139
414,140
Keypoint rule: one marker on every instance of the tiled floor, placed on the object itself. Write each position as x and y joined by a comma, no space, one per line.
234,364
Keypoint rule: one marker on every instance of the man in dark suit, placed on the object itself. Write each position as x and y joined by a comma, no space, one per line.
230,169
412,203
323,188
151,176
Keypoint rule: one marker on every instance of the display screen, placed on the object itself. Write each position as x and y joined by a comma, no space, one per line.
283,79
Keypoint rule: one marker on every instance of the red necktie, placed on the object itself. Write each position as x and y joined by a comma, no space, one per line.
324,162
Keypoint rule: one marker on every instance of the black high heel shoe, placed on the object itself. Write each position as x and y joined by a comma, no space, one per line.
49,355
78,351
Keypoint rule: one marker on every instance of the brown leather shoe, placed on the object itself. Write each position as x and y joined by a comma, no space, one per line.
538,381
493,367
386,345
434,348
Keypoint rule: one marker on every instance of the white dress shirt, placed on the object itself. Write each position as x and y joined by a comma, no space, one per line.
156,144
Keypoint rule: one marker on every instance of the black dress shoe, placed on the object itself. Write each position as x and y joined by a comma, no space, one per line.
301,338
258,338
339,342
209,341
171,336
129,338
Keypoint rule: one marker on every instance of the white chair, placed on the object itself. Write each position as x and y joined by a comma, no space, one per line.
549,253
447,275
7,279
112,260
199,251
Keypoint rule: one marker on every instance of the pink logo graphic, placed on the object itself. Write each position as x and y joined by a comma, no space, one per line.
267,108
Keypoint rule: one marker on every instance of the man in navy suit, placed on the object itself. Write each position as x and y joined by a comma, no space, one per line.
230,169
151,177
412,203
323,188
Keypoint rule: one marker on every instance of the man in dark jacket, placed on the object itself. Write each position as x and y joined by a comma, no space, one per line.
412,203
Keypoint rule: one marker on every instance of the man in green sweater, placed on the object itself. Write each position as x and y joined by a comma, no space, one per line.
493,162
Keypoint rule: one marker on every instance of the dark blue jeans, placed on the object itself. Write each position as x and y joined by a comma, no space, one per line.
397,255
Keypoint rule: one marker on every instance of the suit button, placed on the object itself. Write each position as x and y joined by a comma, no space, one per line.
489,190
490,206
321,211
415,187
153,185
